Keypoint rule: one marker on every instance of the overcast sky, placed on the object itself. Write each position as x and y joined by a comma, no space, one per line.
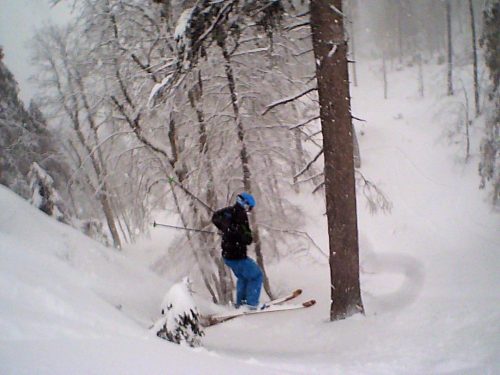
19,20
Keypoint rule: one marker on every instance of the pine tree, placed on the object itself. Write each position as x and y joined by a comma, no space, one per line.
330,50
24,139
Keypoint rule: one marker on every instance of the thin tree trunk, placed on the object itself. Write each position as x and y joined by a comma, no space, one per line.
223,283
384,75
474,56
420,75
299,158
247,184
199,261
330,50
108,212
102,189
99,166
450,47
400,34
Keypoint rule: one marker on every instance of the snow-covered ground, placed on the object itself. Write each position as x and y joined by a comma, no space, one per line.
430,277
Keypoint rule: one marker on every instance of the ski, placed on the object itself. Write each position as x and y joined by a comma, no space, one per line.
280,300
269,307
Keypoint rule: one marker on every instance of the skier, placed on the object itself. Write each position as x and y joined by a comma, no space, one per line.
236,235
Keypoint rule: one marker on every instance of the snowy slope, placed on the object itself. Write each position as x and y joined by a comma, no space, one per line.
70,306
429,268
429,275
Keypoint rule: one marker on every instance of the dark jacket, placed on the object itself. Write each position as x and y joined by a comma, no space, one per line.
236,234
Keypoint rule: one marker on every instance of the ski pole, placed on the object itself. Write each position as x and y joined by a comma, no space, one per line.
155,224
172,181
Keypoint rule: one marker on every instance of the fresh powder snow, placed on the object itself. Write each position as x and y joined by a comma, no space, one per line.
429,274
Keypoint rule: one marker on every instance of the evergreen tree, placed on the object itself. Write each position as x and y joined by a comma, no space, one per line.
330,50
24,139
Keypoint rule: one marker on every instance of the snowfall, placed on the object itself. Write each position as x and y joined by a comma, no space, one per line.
429,271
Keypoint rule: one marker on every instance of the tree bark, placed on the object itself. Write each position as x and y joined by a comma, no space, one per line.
330,50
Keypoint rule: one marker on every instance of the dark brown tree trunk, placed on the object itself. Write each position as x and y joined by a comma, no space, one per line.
330,50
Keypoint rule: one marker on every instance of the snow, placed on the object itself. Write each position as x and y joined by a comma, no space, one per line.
429,273
332,51
179,304
182,24
158,88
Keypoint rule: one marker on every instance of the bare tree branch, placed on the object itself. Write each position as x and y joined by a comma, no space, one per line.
288,100
134,124
304,170
295,233
304,123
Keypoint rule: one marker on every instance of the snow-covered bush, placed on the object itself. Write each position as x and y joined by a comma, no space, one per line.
181,324
43,194
94,229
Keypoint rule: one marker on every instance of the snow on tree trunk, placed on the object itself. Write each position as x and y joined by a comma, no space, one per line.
330,50
181,324
94,229
489,166
245,164
43,194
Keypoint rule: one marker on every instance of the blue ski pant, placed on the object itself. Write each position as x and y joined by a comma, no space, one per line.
249,280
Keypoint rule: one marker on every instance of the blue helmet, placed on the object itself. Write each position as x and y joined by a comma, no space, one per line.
246,200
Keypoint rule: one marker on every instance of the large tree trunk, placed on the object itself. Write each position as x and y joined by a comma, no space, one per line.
330,50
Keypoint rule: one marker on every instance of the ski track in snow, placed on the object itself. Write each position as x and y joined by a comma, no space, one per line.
429,277
424,265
